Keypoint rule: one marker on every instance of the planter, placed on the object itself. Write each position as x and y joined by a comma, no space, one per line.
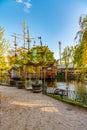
28,84
36,87
20,84
12,83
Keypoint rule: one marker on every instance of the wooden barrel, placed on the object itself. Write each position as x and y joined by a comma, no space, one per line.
36,88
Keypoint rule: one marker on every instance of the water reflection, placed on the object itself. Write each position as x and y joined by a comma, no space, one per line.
76,90
73,85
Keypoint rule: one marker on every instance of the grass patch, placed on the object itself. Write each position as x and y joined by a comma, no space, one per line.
73,102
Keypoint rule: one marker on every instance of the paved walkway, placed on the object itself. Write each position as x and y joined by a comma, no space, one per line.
23,110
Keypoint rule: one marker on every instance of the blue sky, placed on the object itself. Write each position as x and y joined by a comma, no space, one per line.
53,20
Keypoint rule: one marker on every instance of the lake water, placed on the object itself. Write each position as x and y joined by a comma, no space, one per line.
76,90
73,85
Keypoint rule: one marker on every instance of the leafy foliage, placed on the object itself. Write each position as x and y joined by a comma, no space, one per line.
66,55
37,56
4,45
78,55
84,49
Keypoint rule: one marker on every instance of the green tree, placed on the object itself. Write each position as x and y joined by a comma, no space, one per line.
84,49
66,55
37,56
80,55
4,45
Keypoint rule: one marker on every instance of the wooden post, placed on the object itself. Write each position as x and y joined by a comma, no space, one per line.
66,74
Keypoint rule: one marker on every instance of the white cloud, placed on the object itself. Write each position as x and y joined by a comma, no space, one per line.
27,4
19,1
